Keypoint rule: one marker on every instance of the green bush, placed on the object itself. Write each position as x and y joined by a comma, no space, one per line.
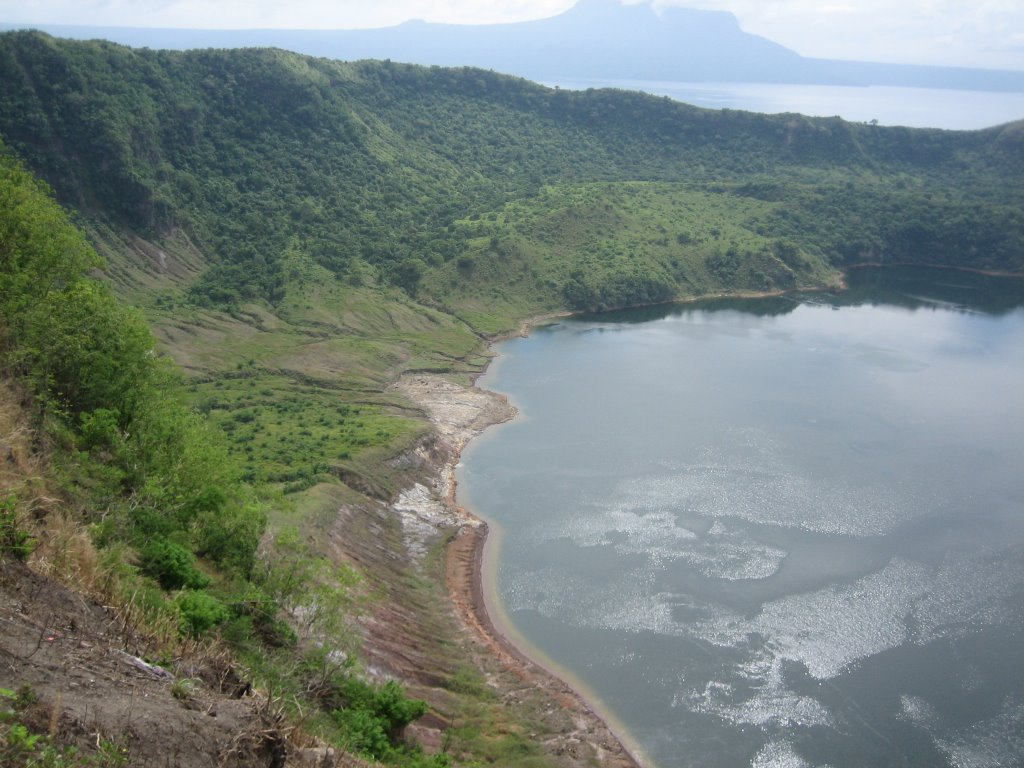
100,430
230,536
83,351
200,612
398,710
14,539
147,522
364,732
90,364
172,565
371,717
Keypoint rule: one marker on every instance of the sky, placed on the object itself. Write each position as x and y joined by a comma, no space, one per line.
973,33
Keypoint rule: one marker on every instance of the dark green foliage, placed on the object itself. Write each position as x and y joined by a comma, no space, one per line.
67,335
254,152
172,565
398,710
78,348
15,540
486,196
86,351
619,289
101,430
39,251
893,225
408,273
372,718
200,612
161,473
363,732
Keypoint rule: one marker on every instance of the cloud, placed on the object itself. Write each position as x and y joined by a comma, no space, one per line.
280,14
982,33
986,33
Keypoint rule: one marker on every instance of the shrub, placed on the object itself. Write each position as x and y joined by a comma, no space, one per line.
230,536
14,539
172,565
200,612
364,732
373,718
100,429
398,710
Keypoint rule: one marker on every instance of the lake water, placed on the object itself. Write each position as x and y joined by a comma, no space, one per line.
784,532
890,105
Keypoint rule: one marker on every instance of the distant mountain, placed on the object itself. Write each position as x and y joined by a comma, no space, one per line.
596,39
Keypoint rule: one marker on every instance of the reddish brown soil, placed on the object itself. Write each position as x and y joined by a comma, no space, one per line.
591,738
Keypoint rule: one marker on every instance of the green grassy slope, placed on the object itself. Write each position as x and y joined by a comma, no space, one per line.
119,480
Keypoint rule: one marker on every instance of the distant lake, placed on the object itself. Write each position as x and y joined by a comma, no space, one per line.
775,533
913,107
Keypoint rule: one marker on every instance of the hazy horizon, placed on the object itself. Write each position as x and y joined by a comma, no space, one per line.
986,34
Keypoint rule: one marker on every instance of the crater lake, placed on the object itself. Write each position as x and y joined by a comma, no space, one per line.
774,532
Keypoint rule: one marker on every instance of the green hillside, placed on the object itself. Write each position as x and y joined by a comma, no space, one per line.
284,238
379,171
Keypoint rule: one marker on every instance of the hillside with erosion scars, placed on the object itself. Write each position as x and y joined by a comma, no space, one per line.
460,413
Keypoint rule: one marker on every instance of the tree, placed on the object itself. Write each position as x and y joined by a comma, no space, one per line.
408,273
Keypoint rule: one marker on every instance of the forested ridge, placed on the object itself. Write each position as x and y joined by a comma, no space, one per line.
390,166
282,238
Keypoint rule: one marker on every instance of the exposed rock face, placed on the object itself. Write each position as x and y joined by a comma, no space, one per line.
458,414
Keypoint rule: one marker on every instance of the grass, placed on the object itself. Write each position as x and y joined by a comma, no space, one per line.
290,432
694,240
301,388
300,381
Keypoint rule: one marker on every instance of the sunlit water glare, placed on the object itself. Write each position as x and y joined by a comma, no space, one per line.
776,533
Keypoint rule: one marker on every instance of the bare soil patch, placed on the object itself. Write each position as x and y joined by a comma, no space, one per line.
93,683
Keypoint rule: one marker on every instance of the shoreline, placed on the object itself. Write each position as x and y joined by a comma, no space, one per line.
460,414
466,576
467,557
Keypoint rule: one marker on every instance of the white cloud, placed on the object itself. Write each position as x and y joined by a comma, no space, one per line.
295,14
987,33
981,33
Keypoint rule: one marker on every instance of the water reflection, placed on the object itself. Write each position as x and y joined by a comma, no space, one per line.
786,531
920,288
906,287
